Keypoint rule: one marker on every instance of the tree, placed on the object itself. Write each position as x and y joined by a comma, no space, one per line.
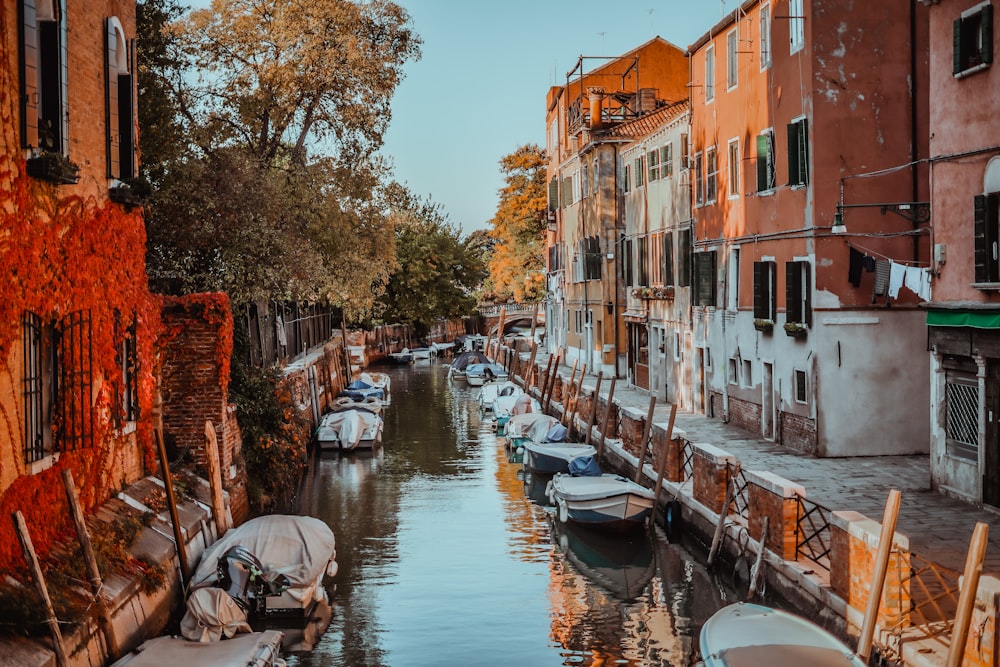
518,261
436,273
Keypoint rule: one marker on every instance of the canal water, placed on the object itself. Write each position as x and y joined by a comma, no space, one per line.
449,556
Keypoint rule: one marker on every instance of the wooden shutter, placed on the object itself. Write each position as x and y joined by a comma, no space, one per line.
762,170
111,108
29,74
806,300
760,310
983,253
986,25
793,292
957,61
684,258
668,259
554,193
704,265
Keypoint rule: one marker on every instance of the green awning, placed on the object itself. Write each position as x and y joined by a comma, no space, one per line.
964,318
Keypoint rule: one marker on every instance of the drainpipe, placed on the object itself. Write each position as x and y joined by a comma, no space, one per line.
914,170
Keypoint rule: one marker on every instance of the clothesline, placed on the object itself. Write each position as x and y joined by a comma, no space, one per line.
865,250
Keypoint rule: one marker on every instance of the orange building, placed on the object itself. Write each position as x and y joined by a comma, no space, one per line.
76,320
808,122
963,319
586,301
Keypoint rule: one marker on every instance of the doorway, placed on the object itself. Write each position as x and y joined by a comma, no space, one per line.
767,416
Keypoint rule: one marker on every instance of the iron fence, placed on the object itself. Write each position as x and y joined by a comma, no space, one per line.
812,528
740,491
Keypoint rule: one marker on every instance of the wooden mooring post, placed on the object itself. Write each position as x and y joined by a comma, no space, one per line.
644,443
607,418
43,590
593,406
215,479
175,521
967,596
881,564
662,463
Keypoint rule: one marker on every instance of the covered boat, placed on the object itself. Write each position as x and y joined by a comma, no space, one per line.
404,356
605,500
507,405
368,385
351,425
750,634
489,392
530,427
421,353
458,365
273,565
256,649
548,458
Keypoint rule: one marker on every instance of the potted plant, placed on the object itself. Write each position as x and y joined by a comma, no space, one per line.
130,192
53,167
763,324
797,329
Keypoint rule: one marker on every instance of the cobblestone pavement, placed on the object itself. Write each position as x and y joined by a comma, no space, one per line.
939,528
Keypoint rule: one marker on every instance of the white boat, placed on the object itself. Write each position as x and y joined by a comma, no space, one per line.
256,649
273,565
751,634
480,373
441,349
606,500
351,425
489,392
369,385
404,356
458,365
421,353
530,427
548,458
506,406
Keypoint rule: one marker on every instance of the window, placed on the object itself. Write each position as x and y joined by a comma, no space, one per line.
667,160
709,73
765,302
585,180
685,252
798,153
801,387
699,186
734,168
798,300
576,186
677,346
796,26
704,286
986,234
668,258
596,182
973,39
765,36
655,259
765,161
578,321
732,61
128,364
653,164
57,385
711,175
639,171
590,249
747,373
641,261
627,178
733,293
44,76
961,407
120,106
628,262
567,191
708,358
685,152
733,369
554,193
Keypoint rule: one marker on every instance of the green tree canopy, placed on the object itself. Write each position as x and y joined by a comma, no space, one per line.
518,259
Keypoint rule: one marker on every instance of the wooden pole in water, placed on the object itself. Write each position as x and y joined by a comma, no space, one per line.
885,540
967,597
607,417
503,319
552,385
593,406
215,479
662,464
93,572
721,525
567,392
545,381
43,591
175,521
644,443
534,320
347,353
575,400
526,378
758,565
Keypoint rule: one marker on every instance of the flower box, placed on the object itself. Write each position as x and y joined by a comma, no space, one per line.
654,293
53,167
765,326
797,329
133,192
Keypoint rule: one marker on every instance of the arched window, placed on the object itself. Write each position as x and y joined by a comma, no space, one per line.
119,102
44,76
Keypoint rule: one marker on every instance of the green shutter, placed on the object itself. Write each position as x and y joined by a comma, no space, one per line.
668,259
758,291
986,26
29,74
957,61
684,258
793,292
554,193
762,163
982,251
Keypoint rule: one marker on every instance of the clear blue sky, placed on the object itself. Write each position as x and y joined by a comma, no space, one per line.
479,90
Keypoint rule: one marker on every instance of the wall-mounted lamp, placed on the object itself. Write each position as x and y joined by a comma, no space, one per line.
838,223
917,212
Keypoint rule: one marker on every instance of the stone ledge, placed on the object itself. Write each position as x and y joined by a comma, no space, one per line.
867,530
716,454
776,484
678,433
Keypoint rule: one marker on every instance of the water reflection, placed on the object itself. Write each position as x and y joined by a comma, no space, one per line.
449,555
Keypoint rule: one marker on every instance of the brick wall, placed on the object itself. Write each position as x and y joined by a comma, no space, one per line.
776,499
710,475
744,414
633,424
798,432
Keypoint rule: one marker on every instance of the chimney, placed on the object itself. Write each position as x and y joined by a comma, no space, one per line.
596,97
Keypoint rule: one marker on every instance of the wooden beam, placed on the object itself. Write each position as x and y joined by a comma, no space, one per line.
215,479
28,549
607,417
644,443
593,407
881,564
168,485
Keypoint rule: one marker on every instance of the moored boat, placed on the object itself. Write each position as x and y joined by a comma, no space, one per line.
480,373
369,385
458,365
259,649
548,458
351,425
751,634
489,392
404,356
606,500
421,353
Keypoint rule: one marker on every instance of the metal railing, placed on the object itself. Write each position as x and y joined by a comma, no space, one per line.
687,460
812,528
510,308
741,495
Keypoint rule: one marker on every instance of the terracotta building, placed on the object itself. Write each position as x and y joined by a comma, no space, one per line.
808,126
963,319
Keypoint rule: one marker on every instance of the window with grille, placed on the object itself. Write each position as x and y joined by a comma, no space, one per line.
765,36
961,391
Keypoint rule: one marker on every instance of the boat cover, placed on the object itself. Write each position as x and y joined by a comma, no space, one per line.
469,357
258,649
487,370
211,614
300,547
346,426
533,425
557,433
593,488
585,466
525,404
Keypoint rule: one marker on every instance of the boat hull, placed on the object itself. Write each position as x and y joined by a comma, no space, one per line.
608,500
552,458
